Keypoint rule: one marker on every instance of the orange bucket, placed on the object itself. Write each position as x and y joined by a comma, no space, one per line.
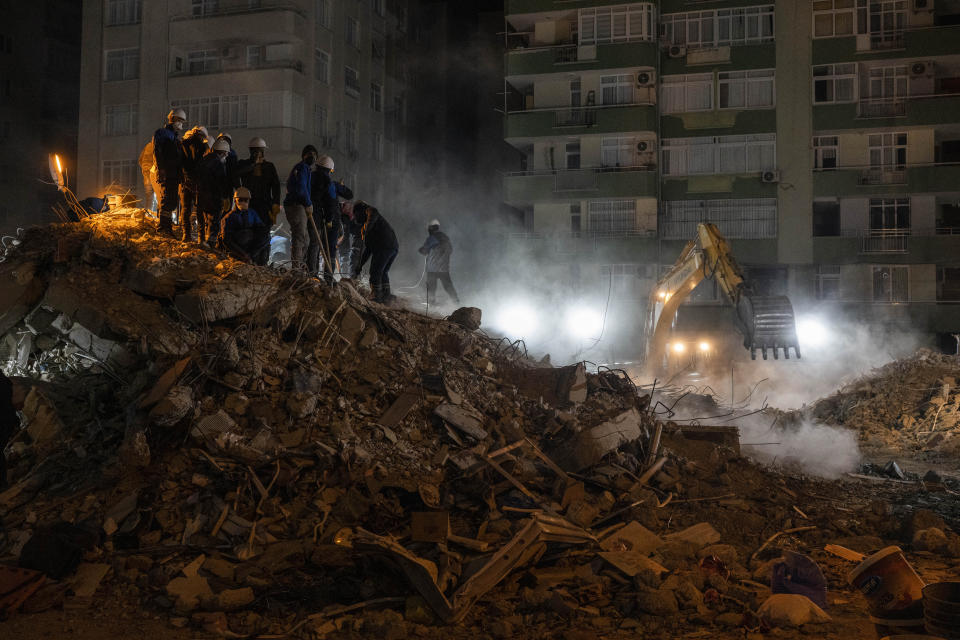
893,589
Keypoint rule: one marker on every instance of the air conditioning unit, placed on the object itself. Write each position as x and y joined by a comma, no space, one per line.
645,146
646,79
676,51
770,177
922,69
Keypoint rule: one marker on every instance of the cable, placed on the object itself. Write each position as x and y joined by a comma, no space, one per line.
603,324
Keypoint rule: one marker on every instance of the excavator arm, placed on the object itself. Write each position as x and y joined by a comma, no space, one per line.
766,322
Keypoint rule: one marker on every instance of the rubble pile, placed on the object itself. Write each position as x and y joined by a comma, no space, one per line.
912,404
255,454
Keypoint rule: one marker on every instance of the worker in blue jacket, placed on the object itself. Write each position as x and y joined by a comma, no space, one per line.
299,204
243,233
168,155
327,217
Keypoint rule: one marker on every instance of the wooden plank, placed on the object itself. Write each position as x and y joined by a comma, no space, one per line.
400,408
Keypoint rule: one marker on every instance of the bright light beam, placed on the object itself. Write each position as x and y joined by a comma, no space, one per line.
811,332
584,323
518,321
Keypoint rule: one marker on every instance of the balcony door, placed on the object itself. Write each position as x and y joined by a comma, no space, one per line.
887,22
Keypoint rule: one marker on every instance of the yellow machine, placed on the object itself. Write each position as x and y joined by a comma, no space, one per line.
766,322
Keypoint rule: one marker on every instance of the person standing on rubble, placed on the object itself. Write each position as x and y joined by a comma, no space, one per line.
438,249
12,396
327,217
380,246
261,178
214,189
168,155
298,205
244,233
351,246
148,167
194,148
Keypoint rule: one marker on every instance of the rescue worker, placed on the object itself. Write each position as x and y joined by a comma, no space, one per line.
148,167
438,250
232,161
327,218
194,148
213,192
93,205
168,155
380,246
298,204
261,178
351,246
243,232
12,396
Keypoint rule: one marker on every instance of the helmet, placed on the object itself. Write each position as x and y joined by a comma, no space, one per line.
326,161
309,150
203,130
225,136
221,145
434,223
257,143
242,192
175,114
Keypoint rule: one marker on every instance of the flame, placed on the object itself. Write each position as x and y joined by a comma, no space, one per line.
59,166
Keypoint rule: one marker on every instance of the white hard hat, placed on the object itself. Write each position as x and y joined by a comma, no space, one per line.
225,136
221,145
241,192
177,113
326,161
434,223
257,143
204,131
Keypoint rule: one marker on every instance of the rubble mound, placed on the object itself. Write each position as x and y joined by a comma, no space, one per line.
912,403
256,454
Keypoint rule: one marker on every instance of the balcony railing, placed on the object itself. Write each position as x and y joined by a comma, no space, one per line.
208,69
576,180
882,107
576,117
887,40
211,9
884,240
564,54
883,175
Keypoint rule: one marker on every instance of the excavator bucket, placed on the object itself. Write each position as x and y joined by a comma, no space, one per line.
768,325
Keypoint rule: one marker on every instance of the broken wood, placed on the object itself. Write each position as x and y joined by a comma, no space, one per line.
843,552
777,535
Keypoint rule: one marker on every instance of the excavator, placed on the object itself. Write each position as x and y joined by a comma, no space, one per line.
766,322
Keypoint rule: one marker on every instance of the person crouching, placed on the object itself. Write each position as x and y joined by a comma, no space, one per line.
380,246
243,233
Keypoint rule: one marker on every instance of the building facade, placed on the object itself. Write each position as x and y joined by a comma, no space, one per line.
821,136
294,72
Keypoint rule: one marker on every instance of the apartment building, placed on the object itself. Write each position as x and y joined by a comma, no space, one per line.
294,72
821,136
39,80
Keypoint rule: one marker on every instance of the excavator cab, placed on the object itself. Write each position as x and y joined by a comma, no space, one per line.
766,322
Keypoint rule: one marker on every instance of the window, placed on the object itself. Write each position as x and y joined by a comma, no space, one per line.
611,217
624,280
576,97
834,83
322,65
123,12
718,28
693,92
826,218
575,227
825,152
719,155
204,61
378,147
891,284
618,152
948,283
320,121
572,151
216,111
120,173
379,7
617,89
205,7
887,82
833,18
351,82
828,282
616,24
350,130
888,214
888,150
735,217
376,97
119,120
324,13
254,56
353,32
122,64
746,89
887,20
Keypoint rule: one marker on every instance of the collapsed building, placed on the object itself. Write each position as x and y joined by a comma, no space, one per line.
249,452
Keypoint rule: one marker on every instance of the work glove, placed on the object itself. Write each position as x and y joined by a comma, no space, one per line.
274,213
225,204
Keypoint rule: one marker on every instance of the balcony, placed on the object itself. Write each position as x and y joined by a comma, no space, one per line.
571,57
910,43
570,184
585,120
235,7
863,181
930,109
875,241
897,246
203,70
270,20
621,245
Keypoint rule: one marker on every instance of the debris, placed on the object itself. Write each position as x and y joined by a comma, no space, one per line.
590,445
791,610
467,317
429,526
87,578
462,419
16,585
799,574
